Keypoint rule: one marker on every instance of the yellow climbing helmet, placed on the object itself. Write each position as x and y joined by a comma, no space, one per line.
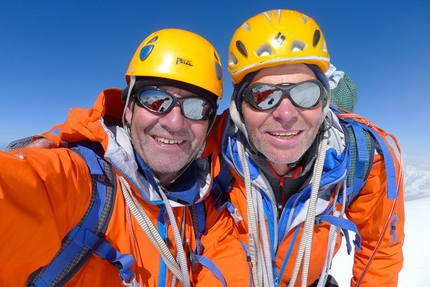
276,37
179,55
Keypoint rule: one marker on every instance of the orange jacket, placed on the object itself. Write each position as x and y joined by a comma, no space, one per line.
371,212
44,194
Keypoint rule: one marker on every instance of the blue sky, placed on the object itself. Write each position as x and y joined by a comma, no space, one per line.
55,55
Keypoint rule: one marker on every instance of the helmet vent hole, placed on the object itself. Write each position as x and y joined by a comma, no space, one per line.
317,36
241,47
264,50
232,59
145,51
304,19
297,46
153,40
218,71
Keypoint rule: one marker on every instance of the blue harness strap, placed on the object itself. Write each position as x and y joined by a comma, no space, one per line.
88,235
206,262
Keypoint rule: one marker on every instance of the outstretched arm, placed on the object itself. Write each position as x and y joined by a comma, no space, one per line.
48,140
43,194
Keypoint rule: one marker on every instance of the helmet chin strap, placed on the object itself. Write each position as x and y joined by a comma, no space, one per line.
127,101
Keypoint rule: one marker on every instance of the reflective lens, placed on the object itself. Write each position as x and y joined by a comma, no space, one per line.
304,95
160,101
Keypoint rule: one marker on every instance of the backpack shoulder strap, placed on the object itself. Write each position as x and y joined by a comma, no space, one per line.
365,139
198,212
223,184
362,149
225,178
88,235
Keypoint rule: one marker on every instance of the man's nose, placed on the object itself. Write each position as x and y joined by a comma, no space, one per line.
174,120
285,111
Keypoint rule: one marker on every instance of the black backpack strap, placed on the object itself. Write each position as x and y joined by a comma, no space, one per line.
198,212
222,187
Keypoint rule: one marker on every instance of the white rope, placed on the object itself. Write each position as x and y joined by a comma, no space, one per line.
268,274
178,239
153,235
305,248
253,234
182,237
261,257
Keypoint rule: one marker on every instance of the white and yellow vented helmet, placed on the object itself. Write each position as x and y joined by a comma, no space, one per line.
276,37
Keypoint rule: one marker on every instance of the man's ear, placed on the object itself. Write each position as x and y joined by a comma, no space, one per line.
128,114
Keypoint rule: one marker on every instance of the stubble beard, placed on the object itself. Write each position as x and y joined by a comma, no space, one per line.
161,163
278,156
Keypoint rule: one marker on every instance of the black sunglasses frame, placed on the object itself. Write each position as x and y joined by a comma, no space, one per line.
174,100
285,88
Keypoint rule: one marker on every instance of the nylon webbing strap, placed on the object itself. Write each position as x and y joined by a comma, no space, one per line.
78,243
199,219
389,165
362,157
343,223
212,267
198,212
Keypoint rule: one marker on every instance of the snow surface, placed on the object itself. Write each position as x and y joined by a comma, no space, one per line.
416,249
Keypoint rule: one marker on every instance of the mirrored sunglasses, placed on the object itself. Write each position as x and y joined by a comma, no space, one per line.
160,101
306,95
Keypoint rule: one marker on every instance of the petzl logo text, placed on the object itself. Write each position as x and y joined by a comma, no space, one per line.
184,62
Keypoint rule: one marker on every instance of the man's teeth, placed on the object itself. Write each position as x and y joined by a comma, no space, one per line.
289,134
166,141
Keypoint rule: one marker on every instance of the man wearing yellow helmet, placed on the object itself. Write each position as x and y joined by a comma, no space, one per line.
294,166
300,168
132,205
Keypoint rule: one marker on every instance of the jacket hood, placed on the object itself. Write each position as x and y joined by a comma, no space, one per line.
86,124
